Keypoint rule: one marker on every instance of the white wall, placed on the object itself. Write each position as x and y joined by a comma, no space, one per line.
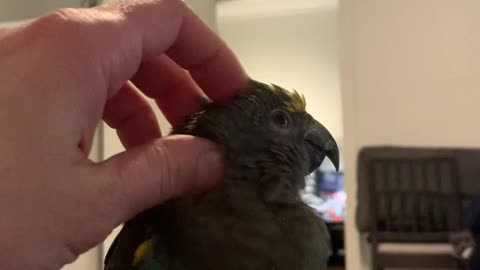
292,44
14,10
410,76
207,10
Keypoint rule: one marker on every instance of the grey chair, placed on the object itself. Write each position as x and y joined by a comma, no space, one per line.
416,205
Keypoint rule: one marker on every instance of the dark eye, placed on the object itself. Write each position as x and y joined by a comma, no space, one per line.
281,119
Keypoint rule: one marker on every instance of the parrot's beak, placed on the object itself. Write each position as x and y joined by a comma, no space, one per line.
320,143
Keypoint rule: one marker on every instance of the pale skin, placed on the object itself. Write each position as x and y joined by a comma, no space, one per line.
64,73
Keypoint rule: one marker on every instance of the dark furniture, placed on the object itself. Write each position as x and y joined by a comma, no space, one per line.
468,162
415,201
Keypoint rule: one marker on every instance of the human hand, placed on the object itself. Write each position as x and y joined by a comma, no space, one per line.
64,72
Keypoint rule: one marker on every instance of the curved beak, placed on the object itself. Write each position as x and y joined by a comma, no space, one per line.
320,143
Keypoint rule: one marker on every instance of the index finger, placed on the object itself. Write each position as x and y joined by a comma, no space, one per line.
170,26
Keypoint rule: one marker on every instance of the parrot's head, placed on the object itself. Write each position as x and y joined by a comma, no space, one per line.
265,131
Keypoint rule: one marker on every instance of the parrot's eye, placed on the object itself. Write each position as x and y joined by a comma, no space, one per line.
280,118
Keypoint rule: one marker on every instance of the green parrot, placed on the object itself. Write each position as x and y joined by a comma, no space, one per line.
254,220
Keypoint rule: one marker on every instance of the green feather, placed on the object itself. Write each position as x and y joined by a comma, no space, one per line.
294,101
152,262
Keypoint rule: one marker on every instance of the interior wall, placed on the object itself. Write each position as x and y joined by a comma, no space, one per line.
16,10
410,75
292,44
207,10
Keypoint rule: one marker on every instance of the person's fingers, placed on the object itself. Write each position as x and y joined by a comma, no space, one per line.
171,86
149,174
132,117
211,63
3,31
110,43
152,27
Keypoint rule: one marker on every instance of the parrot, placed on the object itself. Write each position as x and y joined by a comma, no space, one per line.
255,218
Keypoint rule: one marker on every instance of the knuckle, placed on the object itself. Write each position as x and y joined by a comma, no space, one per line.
153,165
62,25
63,15
162,162
59,20
73,26
86,32
71,252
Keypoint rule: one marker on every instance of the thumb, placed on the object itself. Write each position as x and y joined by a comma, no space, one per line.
142,177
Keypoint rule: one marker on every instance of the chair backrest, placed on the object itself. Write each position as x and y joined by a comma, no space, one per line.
414,199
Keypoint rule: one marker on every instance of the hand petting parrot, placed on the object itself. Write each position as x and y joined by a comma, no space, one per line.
254,220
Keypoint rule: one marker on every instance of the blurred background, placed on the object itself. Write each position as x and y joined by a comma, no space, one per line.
388,75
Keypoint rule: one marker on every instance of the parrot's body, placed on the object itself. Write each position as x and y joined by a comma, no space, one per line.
255,220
